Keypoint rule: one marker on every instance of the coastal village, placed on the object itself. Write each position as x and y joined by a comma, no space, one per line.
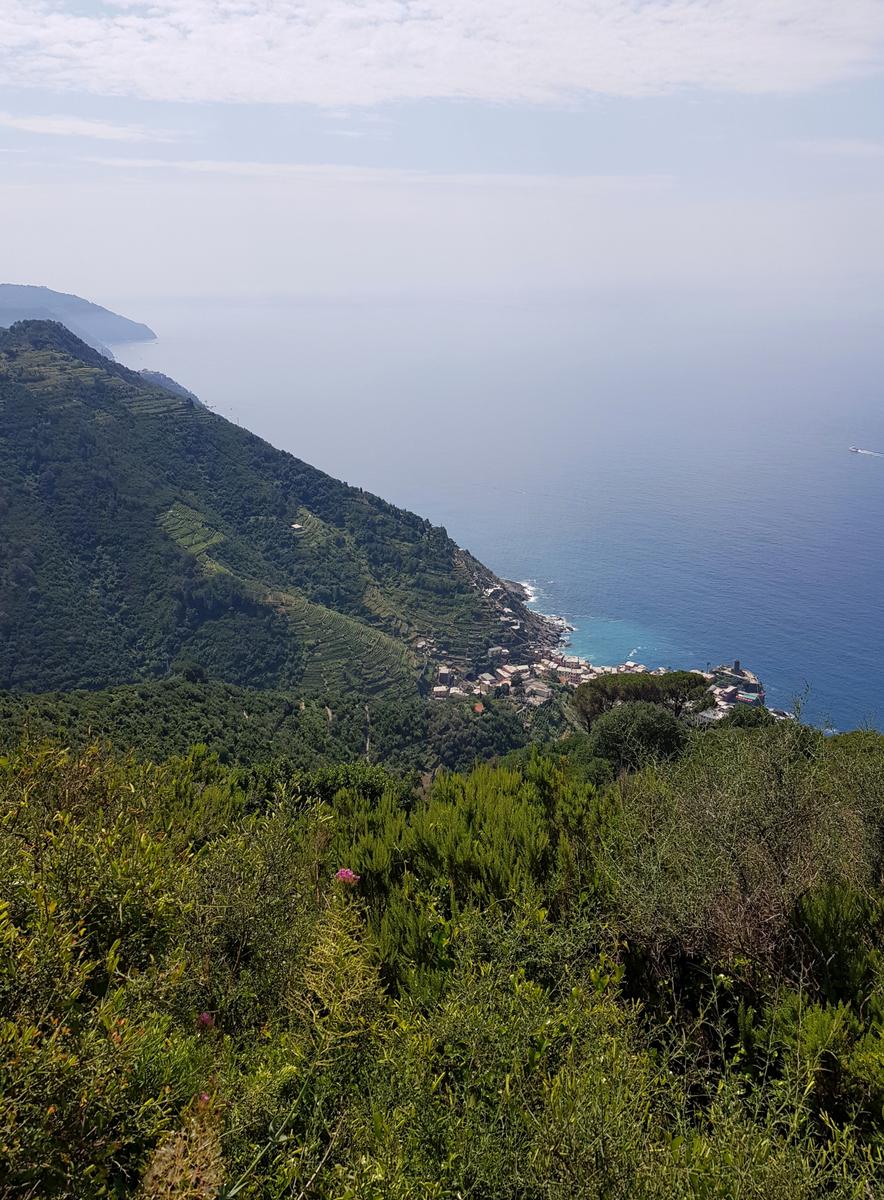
732,686
543,668
534,678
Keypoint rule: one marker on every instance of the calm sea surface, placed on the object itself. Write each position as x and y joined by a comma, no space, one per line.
676,482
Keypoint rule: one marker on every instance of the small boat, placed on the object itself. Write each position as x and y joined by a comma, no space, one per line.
853,449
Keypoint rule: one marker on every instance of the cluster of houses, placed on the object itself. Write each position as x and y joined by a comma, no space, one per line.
734,686
730,686
507,617
548,665
522,678
533,680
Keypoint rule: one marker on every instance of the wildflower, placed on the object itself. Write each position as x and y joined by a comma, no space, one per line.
205,1021
345,875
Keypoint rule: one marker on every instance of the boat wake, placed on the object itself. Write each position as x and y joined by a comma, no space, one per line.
861,450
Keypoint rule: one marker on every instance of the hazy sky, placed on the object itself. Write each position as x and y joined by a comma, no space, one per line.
516,148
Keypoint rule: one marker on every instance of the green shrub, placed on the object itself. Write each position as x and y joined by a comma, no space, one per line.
219,983
631,735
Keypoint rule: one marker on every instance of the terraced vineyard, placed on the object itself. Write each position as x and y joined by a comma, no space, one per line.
344,653
189,529
49,370
158,403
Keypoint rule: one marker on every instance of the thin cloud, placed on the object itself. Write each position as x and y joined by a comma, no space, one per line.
357,133
78,127
353,53
383,176
856,148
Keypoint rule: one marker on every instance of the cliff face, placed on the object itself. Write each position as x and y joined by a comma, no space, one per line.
143,531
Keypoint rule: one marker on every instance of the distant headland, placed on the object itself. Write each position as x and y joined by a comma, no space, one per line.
98,327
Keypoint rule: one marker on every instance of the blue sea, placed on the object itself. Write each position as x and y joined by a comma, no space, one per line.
674,478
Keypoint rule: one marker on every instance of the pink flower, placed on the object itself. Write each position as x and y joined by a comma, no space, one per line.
345,875
205,1020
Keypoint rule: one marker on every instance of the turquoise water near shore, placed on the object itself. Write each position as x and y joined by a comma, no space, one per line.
674,479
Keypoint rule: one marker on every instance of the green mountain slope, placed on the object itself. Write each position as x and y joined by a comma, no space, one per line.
142,531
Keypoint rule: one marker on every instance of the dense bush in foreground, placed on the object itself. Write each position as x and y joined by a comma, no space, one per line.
220,982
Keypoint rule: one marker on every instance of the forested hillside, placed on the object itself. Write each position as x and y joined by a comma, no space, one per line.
517,983
249,726
143,533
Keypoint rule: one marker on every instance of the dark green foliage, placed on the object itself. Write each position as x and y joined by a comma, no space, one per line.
670,986
575,751
631,735
142,531
682,692
745,716
718,852
844,930
245,725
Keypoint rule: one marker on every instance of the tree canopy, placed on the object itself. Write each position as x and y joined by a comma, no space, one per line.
636,733
682,692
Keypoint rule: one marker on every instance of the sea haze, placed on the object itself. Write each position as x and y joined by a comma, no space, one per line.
675,480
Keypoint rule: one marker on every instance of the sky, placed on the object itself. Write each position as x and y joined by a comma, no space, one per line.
446,149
